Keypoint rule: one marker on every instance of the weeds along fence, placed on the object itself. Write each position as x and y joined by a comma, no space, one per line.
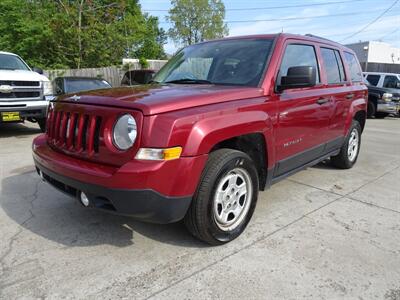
112,74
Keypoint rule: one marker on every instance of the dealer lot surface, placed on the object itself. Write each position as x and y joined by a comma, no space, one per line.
322,233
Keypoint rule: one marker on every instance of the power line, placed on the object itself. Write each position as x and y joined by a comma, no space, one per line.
296,18
390,33
372,22
273,7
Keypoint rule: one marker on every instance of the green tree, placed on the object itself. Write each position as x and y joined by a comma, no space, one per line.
78,33
194,21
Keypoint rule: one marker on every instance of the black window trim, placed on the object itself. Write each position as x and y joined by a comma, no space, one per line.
301,43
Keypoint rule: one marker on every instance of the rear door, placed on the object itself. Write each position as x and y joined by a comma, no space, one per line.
303,112
339,90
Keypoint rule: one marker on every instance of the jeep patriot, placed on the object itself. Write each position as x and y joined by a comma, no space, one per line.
221,121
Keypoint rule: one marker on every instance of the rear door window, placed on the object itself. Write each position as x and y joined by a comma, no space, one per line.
298,55
373,79
332,69
354,67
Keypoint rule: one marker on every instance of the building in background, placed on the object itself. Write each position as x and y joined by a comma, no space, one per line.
377,56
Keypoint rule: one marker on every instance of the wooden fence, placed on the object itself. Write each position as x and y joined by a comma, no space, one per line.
112,74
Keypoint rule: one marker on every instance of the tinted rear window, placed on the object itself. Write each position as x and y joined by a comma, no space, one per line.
77,85
354,67
373,79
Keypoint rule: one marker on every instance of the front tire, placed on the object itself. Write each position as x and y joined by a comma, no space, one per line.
350,149
225,198
42,124
371,110
381,115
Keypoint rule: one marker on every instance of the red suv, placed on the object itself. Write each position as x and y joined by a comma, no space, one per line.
222,120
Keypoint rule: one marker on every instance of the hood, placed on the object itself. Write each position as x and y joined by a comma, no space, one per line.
395,92
155,99
21,75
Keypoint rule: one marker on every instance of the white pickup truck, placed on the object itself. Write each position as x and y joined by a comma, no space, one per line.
23,92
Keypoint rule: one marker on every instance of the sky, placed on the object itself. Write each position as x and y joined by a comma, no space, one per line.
344,21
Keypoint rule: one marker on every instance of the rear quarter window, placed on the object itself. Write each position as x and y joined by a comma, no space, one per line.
354,67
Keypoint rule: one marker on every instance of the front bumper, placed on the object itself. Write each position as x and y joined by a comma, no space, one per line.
27,109
145,205
388,107
158,192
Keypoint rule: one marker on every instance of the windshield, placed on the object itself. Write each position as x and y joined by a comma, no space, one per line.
78,85
12,62
228,62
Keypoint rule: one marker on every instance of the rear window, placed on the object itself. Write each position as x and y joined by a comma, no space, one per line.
373,79
354,67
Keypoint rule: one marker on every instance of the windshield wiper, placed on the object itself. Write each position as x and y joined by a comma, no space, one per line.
5,68
190,80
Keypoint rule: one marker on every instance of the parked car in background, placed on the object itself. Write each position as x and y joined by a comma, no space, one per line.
136,77
384,94
223,120
74,84
23,91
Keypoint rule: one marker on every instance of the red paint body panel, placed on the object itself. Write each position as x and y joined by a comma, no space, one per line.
196,117
134,175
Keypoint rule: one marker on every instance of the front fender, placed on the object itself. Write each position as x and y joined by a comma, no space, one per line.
206,133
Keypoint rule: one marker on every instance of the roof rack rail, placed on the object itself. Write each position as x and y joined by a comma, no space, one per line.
319,37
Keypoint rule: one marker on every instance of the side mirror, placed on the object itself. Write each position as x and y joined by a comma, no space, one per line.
298,77
37,70
398,85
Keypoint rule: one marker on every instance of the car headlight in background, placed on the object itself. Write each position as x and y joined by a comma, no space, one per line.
387,97
47,88
125,132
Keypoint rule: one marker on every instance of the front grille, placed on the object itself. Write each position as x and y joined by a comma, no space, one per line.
74,132
19,83
19,95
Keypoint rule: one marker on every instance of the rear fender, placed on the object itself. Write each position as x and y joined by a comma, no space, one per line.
357,105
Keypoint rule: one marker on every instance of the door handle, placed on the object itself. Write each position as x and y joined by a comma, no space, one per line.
349,96
321,101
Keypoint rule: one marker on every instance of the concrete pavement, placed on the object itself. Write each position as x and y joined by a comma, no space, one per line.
320,234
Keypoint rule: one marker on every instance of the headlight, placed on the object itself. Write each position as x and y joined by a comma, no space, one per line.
125,132
387,97
47,88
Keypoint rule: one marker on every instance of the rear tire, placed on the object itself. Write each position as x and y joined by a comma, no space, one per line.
42,124
350,149
225,198
371,110
381,115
